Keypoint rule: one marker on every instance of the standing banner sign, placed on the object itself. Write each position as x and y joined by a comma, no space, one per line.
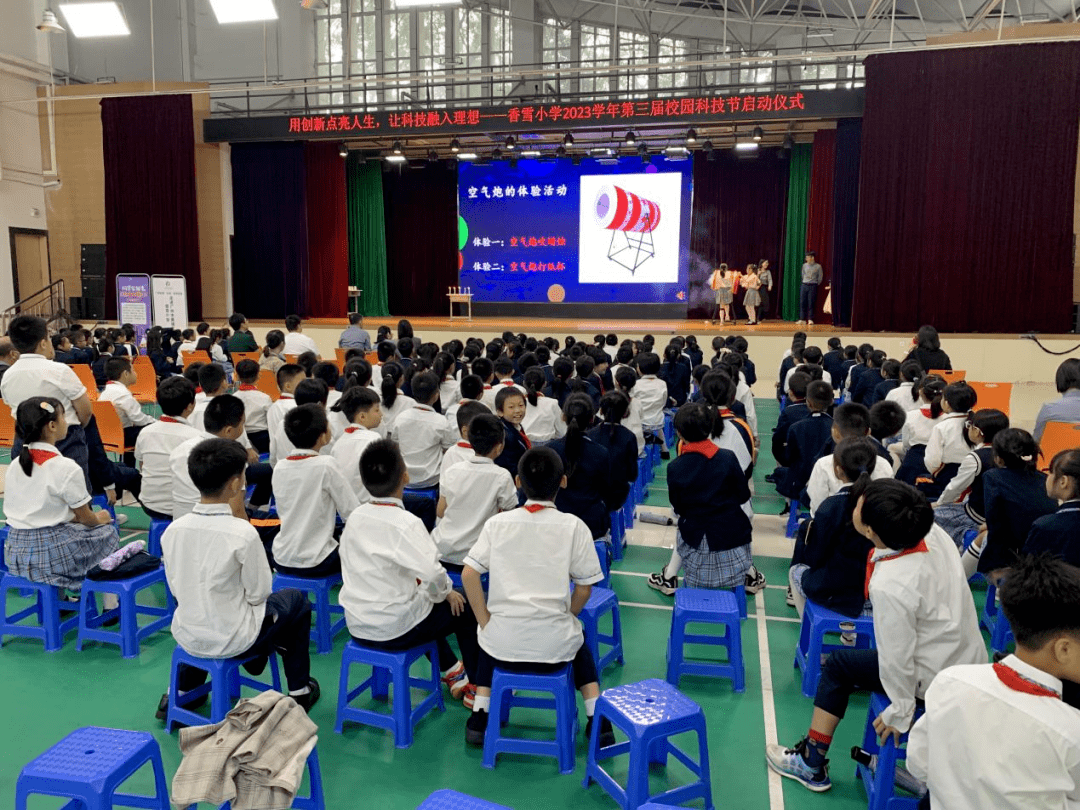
133,303
170,301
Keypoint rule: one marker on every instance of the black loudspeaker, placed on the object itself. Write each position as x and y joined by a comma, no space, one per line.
1076,319
92,262
87,309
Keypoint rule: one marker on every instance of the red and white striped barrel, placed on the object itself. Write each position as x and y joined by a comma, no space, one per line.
620,210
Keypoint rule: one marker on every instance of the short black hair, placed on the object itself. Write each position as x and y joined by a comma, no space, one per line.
116,366
247,371
202,328
1041,600
887,418
175,394
852,420
898,513
26,332
812,355
327,372
798,382
471,386
356,318
215,462
424,386
311,392
236,320
307,361
222,412
890,369
382,468
292,322
506,393
877,358
1066,378
469,411
856,457
287,372
485,433
819,395
406,346
191,371
483,368
504,366
541,473
355,400
305,425
694,421
960,396
211,377
648,363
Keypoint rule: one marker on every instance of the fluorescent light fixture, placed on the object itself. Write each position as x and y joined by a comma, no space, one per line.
95,19
466,156
241,11
530,153
423,3
746,146
396,158
676,150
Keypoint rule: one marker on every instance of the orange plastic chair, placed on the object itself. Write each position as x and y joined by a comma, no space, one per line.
1057,436
267,383
86,377
7,426
993,395
372,357
340,365
238,356
292,358
949,376
140,362
112,434
189,357
340,354
145,388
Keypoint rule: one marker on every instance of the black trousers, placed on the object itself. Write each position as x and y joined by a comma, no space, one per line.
156,515
423,507
260,440
259,476
131,435
436,626
846,671
286,630
583,665
328,567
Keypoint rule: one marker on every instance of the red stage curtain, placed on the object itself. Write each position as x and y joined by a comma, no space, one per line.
845,217
966,201
328,231
819,219
151,222
738,218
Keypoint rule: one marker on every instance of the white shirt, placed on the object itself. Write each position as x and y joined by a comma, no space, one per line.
423,435
280,446
632,422
198,417
346,454
823,481
389,415
924,621
475,490
184,492
34,375
902,396
965,476
533,557
449,391
297,343
983,744
130,412
543,422
459,451
256,406
216,567
746,397
917,427
452,411
390,570
310,493
651,392
49,495
946,444
153,449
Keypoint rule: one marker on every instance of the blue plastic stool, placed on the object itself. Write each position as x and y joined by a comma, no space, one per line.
618,534
3,539
50,628
707,607
816,622
669,428
560,685
314,800
796,512
604,553
993,620
447,799
649,713
324,628
88,766
880,783
602,601
102,502
129,634
153,537
424,492
386,668
455,580
631,502
224,686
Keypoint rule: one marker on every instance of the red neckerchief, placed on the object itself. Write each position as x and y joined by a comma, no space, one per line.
524,438
39,457
870,562
926,412
354,428
198,390
506,382
1018,683
248,387
705,448
533,508
466,445
382,503
113,382
299,458
170,419
286,396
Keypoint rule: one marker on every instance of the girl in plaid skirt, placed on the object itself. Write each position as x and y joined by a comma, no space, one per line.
54,536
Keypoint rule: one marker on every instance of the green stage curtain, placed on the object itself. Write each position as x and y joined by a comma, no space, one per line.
798,204
367,234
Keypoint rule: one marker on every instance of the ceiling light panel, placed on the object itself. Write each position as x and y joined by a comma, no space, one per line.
100,19
241,11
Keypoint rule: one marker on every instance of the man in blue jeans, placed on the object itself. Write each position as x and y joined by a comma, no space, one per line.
811,278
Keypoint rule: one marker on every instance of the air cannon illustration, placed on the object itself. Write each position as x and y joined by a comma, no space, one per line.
635,218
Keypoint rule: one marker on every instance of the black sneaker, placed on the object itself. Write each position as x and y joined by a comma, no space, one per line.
666,585
665,455
786,509
755,580
163,705
308,699
476,727
607,733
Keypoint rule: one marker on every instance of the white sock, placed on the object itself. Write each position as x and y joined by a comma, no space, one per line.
970,560
590,706
481,703
673,566
298,692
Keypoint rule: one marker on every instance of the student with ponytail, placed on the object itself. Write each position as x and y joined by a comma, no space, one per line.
948,442
956,514
1059,534
618,441
625,380
394,402
54,536
929,392
591,492
563,370
543,418
905,394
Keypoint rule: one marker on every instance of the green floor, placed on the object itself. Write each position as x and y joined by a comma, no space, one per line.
49,694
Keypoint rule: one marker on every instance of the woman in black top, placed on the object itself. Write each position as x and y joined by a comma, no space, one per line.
927,350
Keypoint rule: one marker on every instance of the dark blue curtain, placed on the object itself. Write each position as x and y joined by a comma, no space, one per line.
845,216
270,241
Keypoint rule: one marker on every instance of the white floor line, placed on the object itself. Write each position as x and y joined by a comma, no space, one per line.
644,605
776,791
755,615
630,573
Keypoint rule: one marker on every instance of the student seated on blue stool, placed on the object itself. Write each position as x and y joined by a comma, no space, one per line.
471,492
224,418
423,434
310,493
708,490
395,594
216,567
54,536
533,553
1008,718
924,621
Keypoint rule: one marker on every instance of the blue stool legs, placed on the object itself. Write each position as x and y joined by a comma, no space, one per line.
127,593
604,553
153,537
324,627
225,684
50,627
561,686
706,607
602,601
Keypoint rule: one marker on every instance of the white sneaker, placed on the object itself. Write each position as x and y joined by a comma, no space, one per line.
847,634
800,323
121,519
809,323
